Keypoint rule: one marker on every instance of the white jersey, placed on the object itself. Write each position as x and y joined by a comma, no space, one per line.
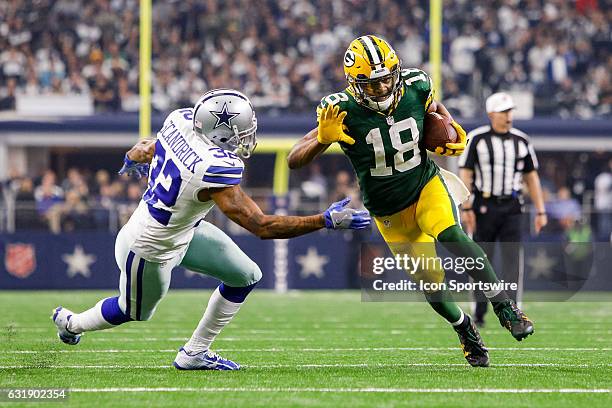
163,224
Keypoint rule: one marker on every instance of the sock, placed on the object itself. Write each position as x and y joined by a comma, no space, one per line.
222,306
442,302
455,240
462,323
104,315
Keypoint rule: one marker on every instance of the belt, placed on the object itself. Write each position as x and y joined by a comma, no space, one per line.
499,199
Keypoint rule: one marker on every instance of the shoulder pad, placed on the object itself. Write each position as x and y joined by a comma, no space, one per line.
224,168
416,76
334,99
180,115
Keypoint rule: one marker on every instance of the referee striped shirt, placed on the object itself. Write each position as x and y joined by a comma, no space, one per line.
498,161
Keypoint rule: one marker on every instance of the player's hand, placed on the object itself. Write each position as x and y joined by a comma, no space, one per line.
143,151
133,168
330,126
337,216
540,221
454,149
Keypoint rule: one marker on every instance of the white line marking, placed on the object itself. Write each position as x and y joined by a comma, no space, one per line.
357,390
338,365
322,349
184,339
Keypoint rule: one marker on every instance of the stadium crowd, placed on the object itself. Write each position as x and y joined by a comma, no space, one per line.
79,201
286,54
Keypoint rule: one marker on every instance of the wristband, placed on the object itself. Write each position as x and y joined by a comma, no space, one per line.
540,213
467,209
128,161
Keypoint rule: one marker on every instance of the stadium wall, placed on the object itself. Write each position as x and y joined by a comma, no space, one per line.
41,260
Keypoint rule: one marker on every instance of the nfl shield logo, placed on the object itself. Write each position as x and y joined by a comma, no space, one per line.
20,259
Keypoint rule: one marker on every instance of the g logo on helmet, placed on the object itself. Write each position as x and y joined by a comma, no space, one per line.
349,58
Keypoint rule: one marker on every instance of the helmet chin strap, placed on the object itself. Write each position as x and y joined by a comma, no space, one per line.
383,105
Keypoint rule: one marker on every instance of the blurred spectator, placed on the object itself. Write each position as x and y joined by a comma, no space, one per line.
26,216
100,181
346,187
288,54
73,214
134,194
13,64
48,193
315,187
7,95
564,210
104,95
75,181
603,203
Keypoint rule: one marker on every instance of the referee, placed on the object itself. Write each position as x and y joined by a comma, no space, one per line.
497,159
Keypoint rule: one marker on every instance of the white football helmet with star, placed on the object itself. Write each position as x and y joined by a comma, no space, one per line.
226,118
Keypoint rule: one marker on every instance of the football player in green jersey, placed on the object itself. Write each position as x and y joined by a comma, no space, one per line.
378,122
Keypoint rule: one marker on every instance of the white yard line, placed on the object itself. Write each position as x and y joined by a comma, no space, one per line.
291,350
357,390
184,339
338,365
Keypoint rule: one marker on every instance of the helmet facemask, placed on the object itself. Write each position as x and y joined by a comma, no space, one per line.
372,93
243,143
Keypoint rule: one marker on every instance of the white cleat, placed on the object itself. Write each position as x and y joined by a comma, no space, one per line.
61,317
204,360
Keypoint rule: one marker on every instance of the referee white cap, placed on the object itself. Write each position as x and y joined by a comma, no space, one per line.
499,102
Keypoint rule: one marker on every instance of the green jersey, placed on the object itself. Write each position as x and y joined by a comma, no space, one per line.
389,154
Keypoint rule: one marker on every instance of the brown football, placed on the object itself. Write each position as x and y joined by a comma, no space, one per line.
438,131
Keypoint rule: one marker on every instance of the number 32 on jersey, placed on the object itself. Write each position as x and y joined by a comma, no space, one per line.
374,137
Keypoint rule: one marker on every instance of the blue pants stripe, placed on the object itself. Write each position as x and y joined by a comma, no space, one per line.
128,282
139,290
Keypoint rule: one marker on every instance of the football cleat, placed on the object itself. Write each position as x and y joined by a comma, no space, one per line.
204,360
513,319
473,348
61,317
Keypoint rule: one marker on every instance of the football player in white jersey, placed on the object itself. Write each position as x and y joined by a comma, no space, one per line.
195,164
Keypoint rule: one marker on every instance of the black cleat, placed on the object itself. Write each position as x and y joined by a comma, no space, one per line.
513,319
473,348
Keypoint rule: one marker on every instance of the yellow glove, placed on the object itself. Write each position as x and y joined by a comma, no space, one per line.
454,149
330,126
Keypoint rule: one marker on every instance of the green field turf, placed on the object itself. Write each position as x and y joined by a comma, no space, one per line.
310,349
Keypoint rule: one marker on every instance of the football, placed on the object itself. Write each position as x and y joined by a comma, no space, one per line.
438,131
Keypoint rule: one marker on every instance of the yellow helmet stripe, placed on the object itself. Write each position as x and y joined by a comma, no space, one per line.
368,45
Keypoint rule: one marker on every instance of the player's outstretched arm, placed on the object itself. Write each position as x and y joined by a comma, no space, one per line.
241,209
306,150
